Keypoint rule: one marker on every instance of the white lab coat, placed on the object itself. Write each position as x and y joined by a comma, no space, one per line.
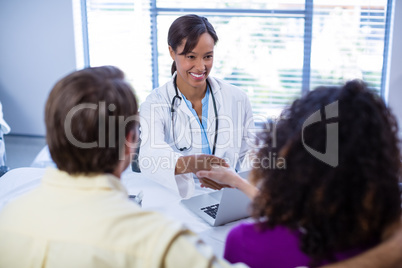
158,153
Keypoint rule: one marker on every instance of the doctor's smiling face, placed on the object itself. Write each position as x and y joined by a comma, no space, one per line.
194,66
191,40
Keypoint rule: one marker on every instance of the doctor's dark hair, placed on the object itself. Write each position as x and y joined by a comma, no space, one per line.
332,208
189,28
88,115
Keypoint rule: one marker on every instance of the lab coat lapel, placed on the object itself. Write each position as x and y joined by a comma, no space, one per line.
183,108
182,118
189,135
216,90
180,105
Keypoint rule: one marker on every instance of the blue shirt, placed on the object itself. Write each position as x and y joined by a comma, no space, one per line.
203,124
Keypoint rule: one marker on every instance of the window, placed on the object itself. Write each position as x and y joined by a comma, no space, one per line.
348,42
273,50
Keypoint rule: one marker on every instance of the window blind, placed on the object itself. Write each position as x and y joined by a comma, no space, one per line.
348,42
261,55
119,33
270,49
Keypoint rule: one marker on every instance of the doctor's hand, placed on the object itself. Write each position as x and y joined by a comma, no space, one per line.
195,163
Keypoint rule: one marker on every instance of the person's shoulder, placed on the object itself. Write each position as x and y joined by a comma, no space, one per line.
144,226
148,221
16,211
240,231
22,203
150,229
250,229
158,95
247,226
226,87
224,84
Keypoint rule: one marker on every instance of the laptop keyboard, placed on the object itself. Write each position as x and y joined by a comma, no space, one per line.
211,210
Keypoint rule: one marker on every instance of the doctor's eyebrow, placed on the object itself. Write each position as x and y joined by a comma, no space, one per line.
207,53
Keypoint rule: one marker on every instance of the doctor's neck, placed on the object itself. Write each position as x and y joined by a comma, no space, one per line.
192,92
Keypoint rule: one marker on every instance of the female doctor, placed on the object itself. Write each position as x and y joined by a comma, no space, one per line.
193,121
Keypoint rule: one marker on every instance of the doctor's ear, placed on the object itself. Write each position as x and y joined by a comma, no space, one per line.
172,53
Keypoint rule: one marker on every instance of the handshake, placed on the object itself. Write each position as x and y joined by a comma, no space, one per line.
211,170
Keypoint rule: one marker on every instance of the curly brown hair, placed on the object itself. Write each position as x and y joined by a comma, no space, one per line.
335,208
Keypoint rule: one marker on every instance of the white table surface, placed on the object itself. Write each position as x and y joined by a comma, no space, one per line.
157,198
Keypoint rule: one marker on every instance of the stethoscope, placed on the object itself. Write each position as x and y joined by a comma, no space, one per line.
172,111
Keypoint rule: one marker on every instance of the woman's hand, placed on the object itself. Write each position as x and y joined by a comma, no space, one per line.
220,175
207,183
225,176
195,163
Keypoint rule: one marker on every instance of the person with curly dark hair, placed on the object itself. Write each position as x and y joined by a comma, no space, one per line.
336,191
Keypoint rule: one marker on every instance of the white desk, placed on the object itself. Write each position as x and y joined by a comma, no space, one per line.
157,198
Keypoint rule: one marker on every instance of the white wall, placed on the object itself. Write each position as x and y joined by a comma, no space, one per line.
395,75
36,49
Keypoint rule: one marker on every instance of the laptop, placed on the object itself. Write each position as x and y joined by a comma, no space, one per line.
220,207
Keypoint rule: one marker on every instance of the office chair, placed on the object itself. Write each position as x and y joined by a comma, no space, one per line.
3,167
